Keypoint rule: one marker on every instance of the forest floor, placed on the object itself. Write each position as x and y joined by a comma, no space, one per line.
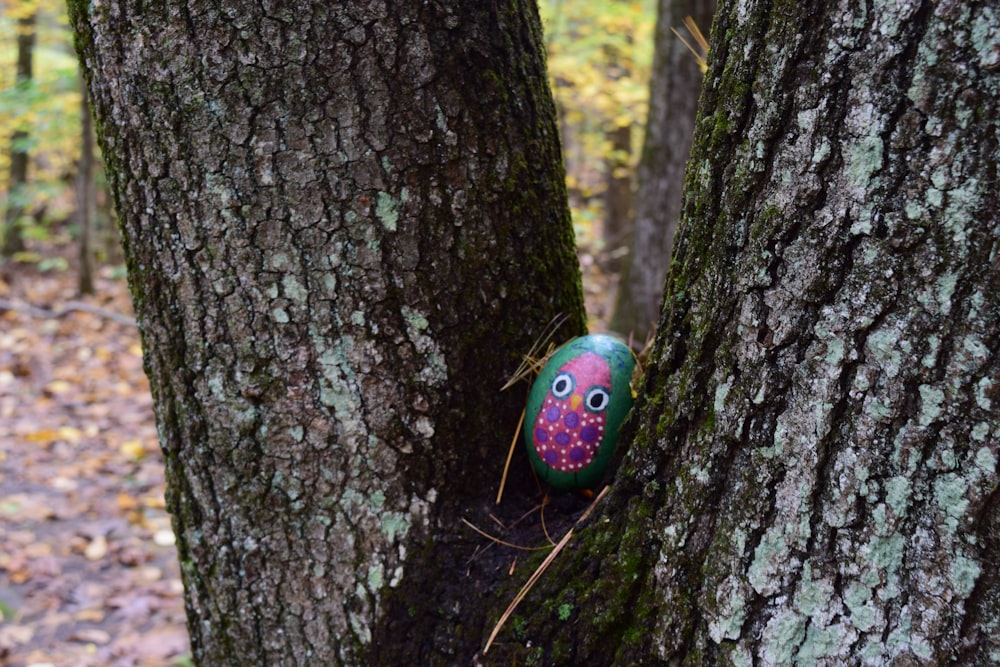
88,570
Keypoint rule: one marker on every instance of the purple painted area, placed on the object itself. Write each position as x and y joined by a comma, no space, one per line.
551,457
577,454
562,438
588,434
553,413
572,420
541,435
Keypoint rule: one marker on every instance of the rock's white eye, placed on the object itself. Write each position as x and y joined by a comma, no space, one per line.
562,385
597,399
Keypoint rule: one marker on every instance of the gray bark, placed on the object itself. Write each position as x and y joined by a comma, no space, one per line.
86,198
675,83
343,223
813,477
617,196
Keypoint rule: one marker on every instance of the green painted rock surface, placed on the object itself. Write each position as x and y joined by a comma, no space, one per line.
575,409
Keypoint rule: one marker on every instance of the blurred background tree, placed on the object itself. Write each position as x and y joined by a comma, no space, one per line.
41,112
675,84
20,137
58,215
618,68
599,63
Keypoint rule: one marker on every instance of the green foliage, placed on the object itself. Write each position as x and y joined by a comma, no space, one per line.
40,117
183,661
7,611
599,56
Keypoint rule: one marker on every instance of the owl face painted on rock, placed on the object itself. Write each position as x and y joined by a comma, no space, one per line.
575,409
572,421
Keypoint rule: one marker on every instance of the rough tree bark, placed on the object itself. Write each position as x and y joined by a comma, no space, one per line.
813,477
675,83
343,223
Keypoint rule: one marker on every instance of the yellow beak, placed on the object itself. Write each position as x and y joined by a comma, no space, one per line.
575,400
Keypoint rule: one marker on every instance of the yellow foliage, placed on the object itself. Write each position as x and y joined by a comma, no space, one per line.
599,57
133,449
21,9
47,109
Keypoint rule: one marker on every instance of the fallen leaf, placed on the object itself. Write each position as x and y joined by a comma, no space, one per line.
130,555
164,538
126,502
59,387
133,449
91,636
38,549
135,606
93,615
154,502
45,436
9,506
70,433
61,483
24,507
97,549
15,634
159,643
17,567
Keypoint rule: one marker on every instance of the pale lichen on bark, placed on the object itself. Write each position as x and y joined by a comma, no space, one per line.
850,518
335,218
813,474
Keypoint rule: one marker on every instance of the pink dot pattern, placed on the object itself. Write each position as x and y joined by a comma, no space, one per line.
566,435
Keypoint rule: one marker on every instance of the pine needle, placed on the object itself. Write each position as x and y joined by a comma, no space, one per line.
497,540
532,363
700,53
510,454
541,569
541,515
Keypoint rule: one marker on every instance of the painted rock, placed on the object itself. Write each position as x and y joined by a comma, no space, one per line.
575,408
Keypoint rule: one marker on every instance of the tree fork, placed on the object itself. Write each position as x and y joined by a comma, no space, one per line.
813,473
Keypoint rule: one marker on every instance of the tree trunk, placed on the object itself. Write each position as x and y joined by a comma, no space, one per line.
86,208
618,195
674,85
13,241
343,224
617,165
813,477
